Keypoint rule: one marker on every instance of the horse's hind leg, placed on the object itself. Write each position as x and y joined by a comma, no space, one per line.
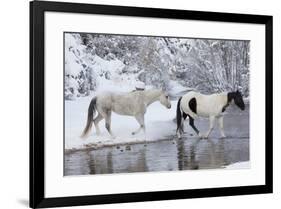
108,123
184,115
96,122
191,123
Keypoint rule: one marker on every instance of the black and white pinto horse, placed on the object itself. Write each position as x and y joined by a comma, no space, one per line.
194,104
132,103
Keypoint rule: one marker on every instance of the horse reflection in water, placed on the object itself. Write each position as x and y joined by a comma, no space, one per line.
167,155
191,159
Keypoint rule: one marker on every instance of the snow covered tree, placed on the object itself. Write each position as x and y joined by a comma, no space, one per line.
207,65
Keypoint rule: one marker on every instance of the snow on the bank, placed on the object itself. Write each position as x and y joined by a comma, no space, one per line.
175,87
158,120
239,165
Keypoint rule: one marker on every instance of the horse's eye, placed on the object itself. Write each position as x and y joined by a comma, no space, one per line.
167,97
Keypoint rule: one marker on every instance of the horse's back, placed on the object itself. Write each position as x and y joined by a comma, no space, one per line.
129,103
206,105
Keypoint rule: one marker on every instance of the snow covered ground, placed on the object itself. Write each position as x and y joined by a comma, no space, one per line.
158,120
239,165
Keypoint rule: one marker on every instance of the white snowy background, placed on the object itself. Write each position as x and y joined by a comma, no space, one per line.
95,63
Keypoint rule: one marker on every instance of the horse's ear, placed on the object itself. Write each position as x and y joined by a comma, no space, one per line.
239,92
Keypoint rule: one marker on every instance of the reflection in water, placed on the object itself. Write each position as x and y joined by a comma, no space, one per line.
187,158
172,154
201,154
169,155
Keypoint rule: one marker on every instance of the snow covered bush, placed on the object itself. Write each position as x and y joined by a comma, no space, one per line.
80,78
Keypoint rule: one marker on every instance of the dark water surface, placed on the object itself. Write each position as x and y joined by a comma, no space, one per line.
170,154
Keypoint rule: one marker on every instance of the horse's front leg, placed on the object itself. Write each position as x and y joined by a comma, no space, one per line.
137,131
221,126
211,126
140,119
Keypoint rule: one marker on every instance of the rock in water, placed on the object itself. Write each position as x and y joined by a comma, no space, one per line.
128,147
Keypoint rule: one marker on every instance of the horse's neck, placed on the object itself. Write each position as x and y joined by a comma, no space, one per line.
226,102
151,96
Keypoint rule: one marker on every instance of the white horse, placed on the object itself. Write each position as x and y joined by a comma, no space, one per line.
194,104
133,103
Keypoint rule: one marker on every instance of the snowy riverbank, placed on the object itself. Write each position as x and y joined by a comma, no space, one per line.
239,165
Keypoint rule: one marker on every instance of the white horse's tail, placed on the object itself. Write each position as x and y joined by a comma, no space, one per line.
91,111
179,117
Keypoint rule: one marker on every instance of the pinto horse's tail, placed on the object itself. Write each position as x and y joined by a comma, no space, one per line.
91,111
179,117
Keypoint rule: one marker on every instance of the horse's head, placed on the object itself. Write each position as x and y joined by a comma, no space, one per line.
165,100
238,99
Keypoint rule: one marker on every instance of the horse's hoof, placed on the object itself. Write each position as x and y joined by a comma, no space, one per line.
223,137
203,136
133,133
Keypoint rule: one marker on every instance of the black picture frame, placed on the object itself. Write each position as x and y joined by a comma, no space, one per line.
37,115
